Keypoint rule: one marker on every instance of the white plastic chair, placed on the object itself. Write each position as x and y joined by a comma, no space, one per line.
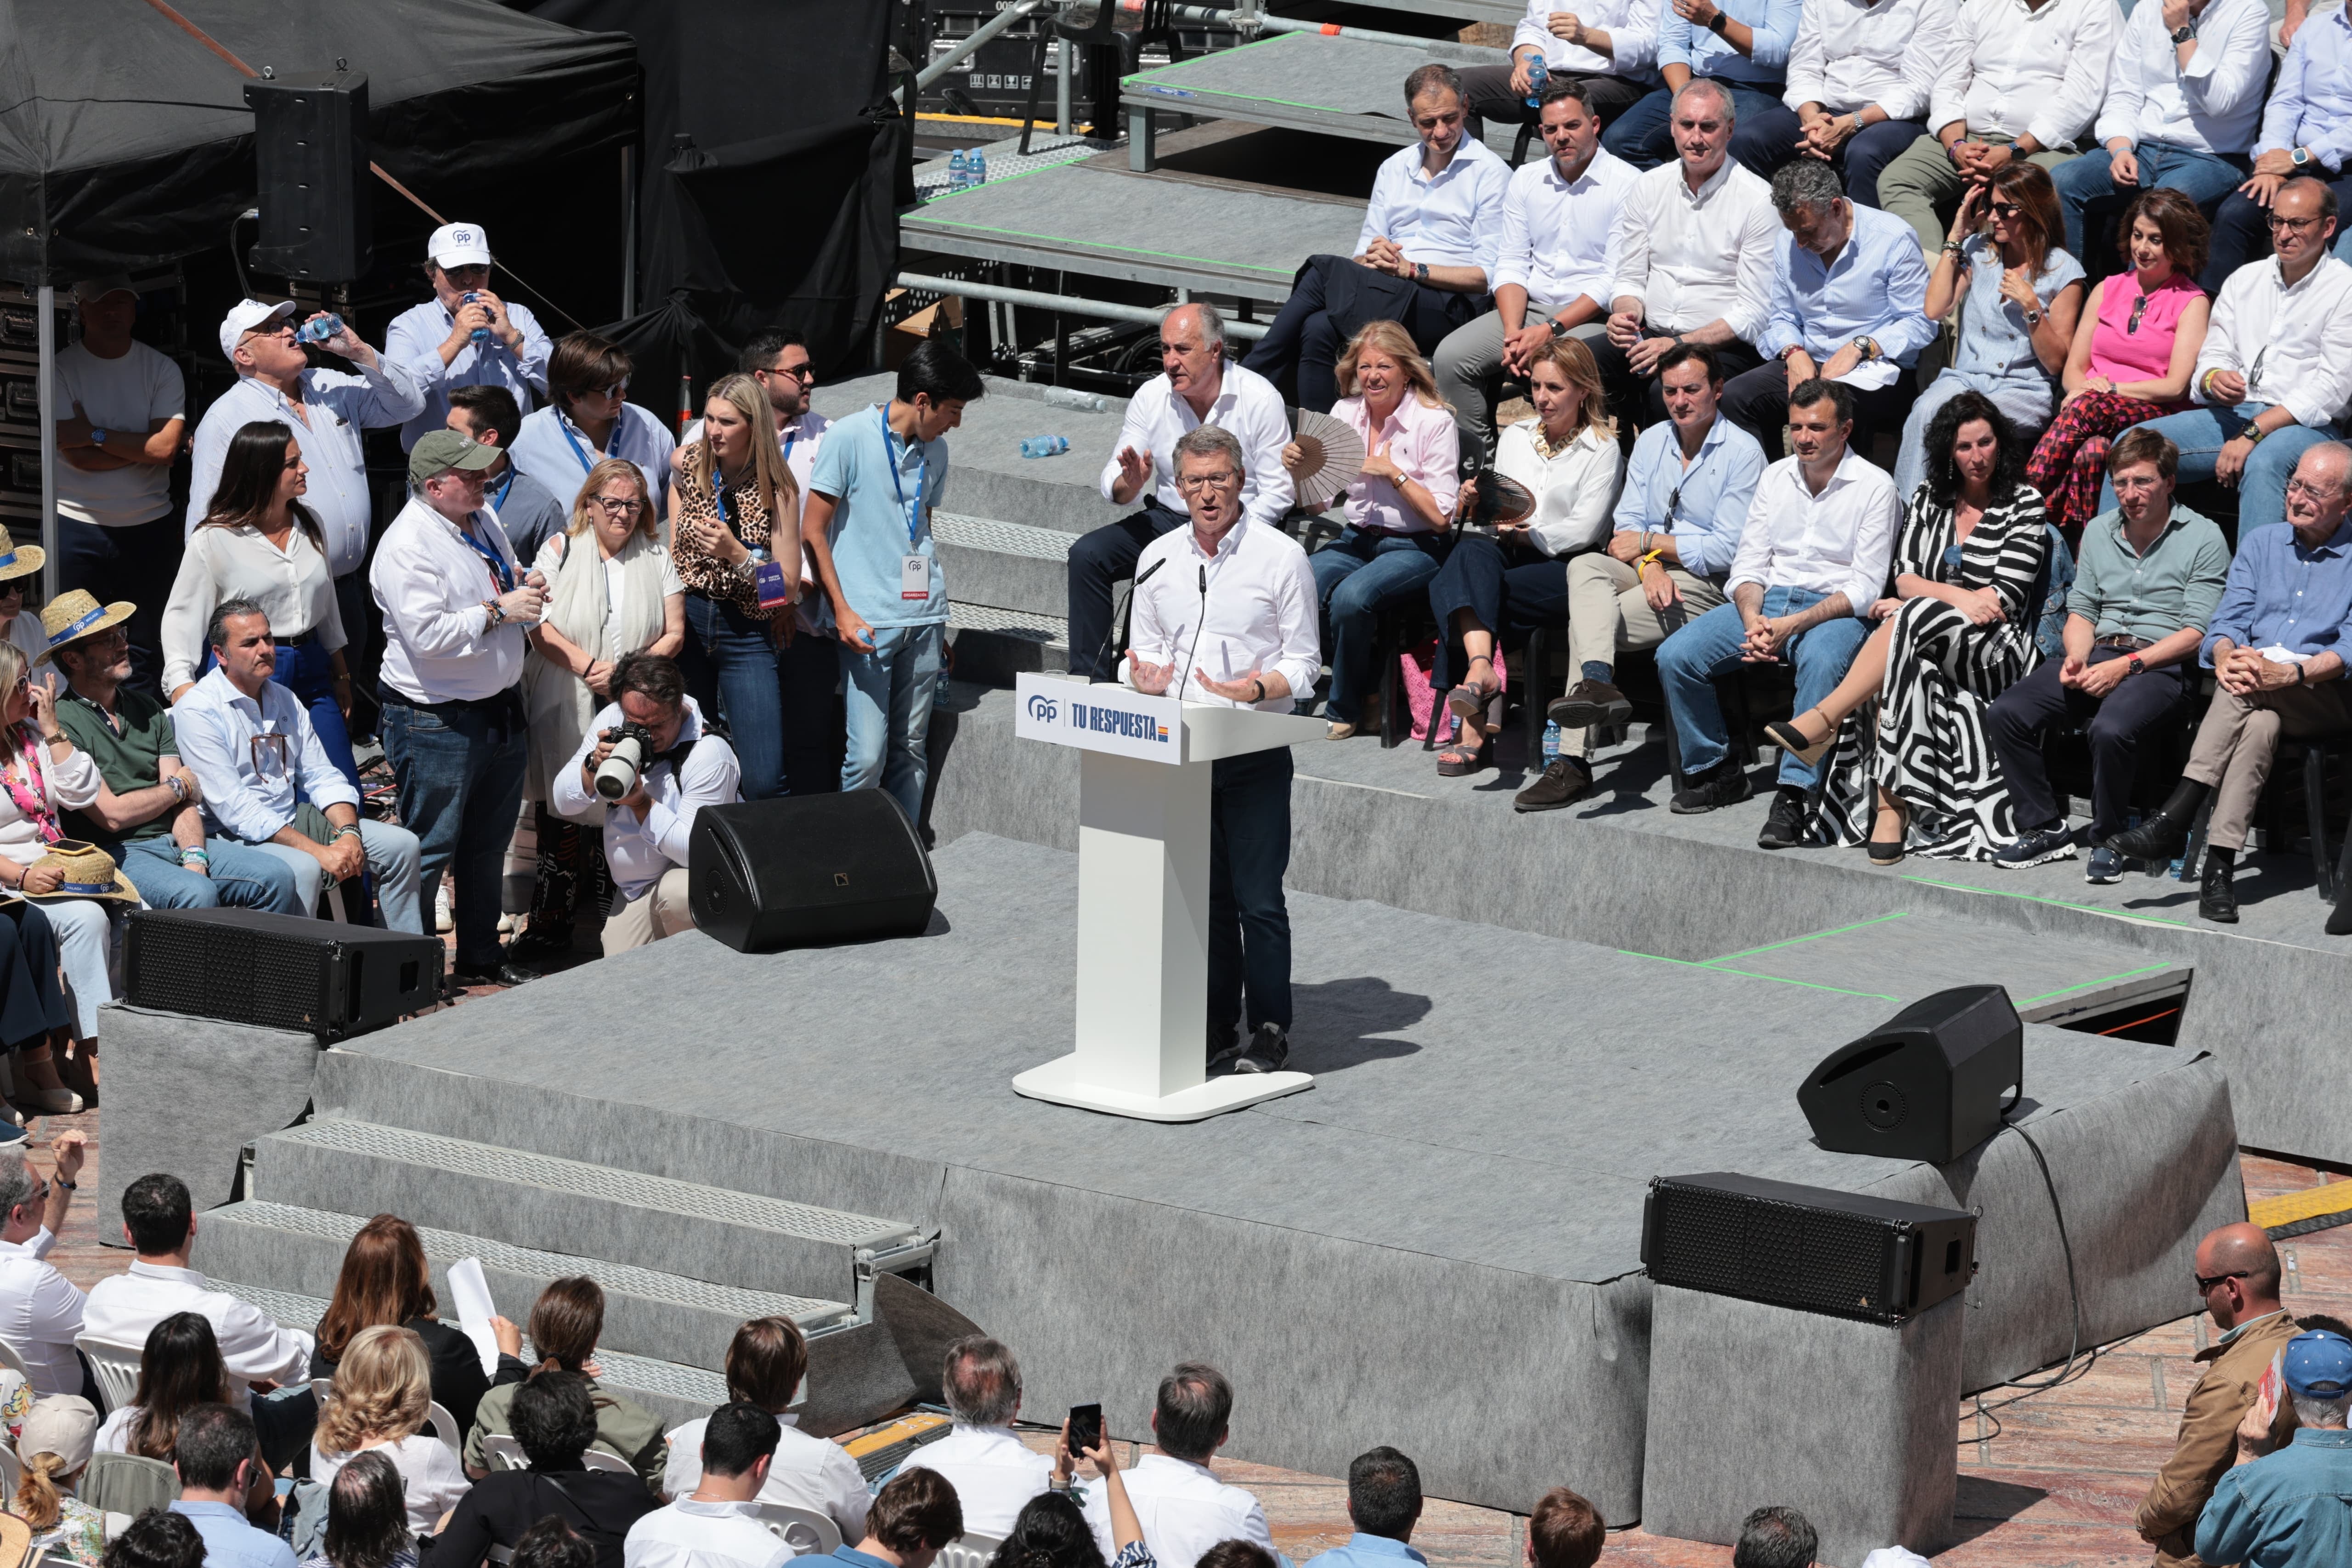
968,1551
12,1469
805,1531
116,1366
444,1426
13,1360
503,1452
597,1459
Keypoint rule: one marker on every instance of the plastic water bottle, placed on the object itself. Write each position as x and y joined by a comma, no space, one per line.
1538,73
1045,445
1550,741
979,168
959,171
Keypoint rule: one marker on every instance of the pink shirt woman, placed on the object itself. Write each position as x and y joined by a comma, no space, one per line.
1420,439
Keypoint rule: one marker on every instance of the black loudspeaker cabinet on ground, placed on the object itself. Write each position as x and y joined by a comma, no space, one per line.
311,142
279,972
770,874
1927,1084
1804,1247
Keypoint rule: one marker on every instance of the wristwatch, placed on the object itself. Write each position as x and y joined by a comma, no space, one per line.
2299,157
1558,327
1717,23
97,437
2138,665
1421,271
2033,318
2183,33
1866,347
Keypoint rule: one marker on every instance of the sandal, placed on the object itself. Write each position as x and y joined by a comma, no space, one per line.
1458,760
1468,701
1888,851
1791,739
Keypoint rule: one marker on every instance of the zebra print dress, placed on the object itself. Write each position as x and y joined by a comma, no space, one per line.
1925,738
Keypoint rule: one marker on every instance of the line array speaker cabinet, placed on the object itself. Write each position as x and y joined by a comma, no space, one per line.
1925,1085
310,141
279,972
764,875
1805,1247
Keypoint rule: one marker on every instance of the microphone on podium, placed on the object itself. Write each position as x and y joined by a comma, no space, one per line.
1116,610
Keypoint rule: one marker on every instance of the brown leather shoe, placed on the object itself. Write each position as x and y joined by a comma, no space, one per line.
1562,781
1587,703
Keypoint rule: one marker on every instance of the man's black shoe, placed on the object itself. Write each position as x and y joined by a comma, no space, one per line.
540,942
1268,1049
1590,702
2157,840
1564,780
2217,900
1724,784
1784,826
501,974
1222,1046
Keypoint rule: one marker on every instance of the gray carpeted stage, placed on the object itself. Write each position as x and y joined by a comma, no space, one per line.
1437,1245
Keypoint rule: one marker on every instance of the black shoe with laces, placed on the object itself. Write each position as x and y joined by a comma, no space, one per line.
1564,780
1268,1049
1724,784
1784,826
2217,900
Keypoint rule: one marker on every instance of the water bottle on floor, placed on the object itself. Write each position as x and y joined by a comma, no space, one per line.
959,171
1550,741
1045,445
979,166
1538,73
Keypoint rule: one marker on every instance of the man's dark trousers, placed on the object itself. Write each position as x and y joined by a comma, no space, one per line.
1249,924
1331,300
1099,561
1758,402
2020,714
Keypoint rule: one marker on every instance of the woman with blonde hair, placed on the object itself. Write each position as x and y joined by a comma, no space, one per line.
612,589
54,1444
383,1384
1400,507
1515,578
737,528
565,1323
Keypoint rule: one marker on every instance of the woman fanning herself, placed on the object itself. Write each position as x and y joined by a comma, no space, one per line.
1918,772
738,511
1516,578
2134,352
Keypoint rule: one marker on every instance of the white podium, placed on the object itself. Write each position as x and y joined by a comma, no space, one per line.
1143,896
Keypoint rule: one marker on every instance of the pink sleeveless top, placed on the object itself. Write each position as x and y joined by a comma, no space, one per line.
2124,355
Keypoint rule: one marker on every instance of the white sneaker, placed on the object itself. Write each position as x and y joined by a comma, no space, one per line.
505,925
443,920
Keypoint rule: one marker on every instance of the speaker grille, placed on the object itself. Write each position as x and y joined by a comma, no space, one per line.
1782,1253
229,972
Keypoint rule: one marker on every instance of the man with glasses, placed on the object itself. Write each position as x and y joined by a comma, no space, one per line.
455,605
2275,373
466,335
1249,583
41,1310
2306,130
588,416
2237,1273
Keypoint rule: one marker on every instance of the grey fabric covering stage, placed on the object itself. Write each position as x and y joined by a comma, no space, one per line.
1437,1245
188,1094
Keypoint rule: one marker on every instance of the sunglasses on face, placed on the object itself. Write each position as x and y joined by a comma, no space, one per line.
2006,209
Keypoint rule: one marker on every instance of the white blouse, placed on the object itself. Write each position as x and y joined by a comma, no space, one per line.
25,631
64,786
293,586
1575,487
430,1477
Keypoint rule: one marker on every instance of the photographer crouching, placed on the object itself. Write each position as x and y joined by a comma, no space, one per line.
648,762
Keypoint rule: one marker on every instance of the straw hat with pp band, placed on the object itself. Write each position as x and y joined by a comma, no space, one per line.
77,614
90,873
19,560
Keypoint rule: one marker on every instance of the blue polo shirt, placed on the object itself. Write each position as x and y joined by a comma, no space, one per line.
232,1542
877,479
854,1558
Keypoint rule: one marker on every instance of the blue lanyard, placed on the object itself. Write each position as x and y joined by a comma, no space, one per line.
612,442
504,485
922,477
497,563
788,446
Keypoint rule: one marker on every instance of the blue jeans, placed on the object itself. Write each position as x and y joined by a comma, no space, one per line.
458,773
1689,661
887,696
2087,186
1357,575
241,879
734,669
392,854
1763,135
2199,433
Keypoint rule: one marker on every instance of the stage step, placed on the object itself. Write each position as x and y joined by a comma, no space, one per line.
1004,565
1340,86
646,1312
675,1394
569,1206
987,475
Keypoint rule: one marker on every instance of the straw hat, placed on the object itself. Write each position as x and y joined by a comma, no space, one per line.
19,560
73,616
91,873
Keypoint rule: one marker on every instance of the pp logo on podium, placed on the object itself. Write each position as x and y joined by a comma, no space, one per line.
1100,717
1043,709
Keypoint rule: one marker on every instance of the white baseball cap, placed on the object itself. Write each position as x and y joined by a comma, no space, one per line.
250,316
458,245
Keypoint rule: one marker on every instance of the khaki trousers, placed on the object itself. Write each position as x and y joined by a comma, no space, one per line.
1607,611
2239,739
661,911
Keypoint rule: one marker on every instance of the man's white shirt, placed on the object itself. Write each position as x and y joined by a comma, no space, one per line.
40,1314
1246,408
2292,344
215,725
1694,257
1840,541
2212,104
1632,26
1559,235
639,849
807,1472
690,1534
2016,70
1183,1509
1451,218
121,1309
1257,612
438,643
995,1476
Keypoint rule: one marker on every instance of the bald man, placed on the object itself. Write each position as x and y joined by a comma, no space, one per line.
2238,1276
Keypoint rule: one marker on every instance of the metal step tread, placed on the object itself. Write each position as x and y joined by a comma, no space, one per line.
622,1371
447,1246
1018,623
636,1189
1005,538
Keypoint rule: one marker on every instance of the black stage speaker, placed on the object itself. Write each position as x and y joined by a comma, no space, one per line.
1925,1085
310,140
769,874
280,971
1805,1247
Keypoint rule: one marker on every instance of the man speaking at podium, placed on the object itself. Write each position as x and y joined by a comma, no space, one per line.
1225,612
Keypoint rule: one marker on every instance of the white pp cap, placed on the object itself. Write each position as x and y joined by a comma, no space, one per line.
250,316
458,245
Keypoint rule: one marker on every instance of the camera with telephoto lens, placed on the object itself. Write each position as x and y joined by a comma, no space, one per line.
619,776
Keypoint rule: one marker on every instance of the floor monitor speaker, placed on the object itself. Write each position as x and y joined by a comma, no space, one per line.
769,874
280,971
1927,1084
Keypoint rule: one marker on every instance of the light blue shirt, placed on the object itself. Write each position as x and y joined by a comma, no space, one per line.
1363,1551
879,522
215,725
2281,594
1451,218
415,338
1876,287
550,449
2286,1509
1995,342
1703,506
1774,22
2312,104
230,1540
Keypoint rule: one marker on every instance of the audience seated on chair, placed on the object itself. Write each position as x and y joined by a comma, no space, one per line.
2303,127
1742,51
54,1443
366,1522
1608,48
382,1391
767,1367
565,1323
1184,1508
1860,79
41,1308
1385,1504
2276,649
385,1279
1676,528
912,1518
1564,1531
555,1419
717,1525
218,1457
2146,581
179,1369
992,1472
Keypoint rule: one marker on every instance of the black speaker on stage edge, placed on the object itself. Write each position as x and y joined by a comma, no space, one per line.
1925,1085
1804,1247
763,875
310,146
279,972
